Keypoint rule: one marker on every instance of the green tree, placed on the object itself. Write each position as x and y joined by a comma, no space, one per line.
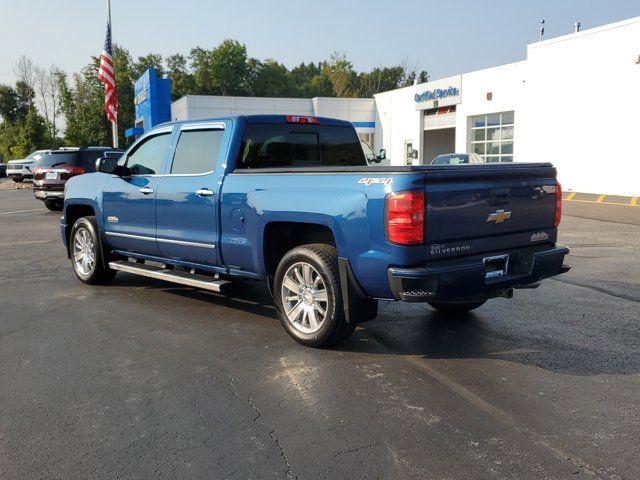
10,105
340,73
221,71
310,81
32,135
83,107
23,128
125,78
270,79
9,133
83,102
182,80
379,80
152,60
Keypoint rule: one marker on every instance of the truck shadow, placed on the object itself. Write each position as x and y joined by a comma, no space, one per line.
245,296
476,336
404,330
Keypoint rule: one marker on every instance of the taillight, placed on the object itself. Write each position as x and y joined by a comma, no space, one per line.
75,170
404,217
299,119
558,204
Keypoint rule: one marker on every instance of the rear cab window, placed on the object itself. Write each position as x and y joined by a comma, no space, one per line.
298,146
196,151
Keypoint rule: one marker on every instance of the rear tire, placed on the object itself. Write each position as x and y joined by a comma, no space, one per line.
17,179
454,308
85,249
54,205
308,297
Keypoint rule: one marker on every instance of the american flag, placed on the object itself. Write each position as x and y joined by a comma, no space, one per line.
106,74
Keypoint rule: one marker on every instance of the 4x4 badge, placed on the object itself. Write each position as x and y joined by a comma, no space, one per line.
499,216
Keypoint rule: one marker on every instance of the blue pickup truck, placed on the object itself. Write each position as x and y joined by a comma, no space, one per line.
291,201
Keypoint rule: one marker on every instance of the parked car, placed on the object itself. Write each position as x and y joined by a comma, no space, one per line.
291,201
457,159
3,169
21,169
55,168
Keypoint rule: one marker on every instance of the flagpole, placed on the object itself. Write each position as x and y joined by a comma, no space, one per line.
114,125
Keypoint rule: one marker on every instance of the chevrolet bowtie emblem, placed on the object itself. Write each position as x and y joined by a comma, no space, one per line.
499,216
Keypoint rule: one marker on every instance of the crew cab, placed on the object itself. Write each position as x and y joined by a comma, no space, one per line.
290,200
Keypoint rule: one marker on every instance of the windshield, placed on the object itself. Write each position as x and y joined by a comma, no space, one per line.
35,155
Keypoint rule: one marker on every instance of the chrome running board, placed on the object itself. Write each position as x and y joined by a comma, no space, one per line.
174,276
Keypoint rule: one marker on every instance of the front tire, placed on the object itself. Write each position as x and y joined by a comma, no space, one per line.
456,308
54,205
308,297
85,250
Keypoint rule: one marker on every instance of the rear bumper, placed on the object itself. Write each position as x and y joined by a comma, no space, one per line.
45,194
463,279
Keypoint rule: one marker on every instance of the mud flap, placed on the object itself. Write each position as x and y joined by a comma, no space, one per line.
357,307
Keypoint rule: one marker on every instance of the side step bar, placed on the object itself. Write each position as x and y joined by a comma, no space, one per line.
175,276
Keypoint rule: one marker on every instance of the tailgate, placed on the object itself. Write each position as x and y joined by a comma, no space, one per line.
480,208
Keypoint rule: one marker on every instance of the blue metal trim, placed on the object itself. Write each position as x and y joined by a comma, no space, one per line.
364,124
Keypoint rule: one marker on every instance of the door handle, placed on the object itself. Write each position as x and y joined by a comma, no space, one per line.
146,190
204,192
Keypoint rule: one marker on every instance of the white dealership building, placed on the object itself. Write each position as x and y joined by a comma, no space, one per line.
574,101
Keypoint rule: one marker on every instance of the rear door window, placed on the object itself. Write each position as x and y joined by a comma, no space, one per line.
290,145
196,151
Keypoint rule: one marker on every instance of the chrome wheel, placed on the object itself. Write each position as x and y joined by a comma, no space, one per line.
304,297
84,252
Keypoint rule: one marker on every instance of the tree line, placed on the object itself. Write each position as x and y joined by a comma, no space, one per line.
48,108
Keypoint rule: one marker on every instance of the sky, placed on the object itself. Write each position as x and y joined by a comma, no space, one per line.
444,37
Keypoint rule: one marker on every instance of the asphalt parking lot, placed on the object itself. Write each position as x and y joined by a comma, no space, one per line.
143,379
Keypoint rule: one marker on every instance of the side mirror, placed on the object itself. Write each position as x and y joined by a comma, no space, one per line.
107,165
382,155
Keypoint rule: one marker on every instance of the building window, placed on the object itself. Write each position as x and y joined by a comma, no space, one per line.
491,136
366,138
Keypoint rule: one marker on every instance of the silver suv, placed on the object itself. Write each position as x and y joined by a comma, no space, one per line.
21,169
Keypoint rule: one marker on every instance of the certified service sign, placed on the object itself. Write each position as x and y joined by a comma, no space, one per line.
436,94
440,93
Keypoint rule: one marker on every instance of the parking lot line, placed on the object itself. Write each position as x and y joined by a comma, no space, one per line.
571,195
600,198
22,211
605,203
634,201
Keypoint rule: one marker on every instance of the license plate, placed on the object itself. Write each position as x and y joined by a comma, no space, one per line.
51,176
496,266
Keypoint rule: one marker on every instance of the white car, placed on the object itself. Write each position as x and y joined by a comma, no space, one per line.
20,169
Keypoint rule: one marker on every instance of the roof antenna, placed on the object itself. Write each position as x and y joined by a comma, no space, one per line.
541,29
576,27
